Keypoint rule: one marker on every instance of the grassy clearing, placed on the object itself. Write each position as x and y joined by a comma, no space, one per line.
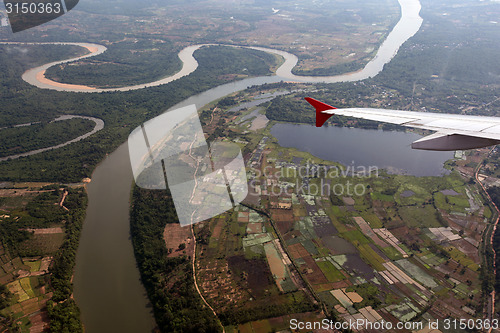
261,326
420,217
33,265
487,212
440,201
16,288
392,253
458,202
420,195
332,213
245,328
287,154
255,252
382,197
41,244
26,285
337,212
372,219
355,237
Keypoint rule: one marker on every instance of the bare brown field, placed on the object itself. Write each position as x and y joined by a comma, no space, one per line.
278,269
44,243
243,216
297,251
46,231
284,219
312,272
254,228
39,322
218,228
175,235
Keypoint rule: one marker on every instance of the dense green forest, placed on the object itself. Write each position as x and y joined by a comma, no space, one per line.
169,281
121,112
14,60
16,140
124,63
63,311
140,61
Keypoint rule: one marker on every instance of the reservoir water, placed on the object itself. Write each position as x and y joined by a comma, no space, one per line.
363,148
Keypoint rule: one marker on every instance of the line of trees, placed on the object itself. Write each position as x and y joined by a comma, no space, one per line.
18,140
63,311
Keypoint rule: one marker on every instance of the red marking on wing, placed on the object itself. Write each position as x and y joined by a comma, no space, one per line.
321,117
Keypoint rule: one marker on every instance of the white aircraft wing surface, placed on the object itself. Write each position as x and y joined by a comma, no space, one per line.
453,132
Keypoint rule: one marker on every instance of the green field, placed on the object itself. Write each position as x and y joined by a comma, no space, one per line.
371,256
392,253
331,273
420,195
461,258
372,219
26,285
382,197
420,217
356,237
33,265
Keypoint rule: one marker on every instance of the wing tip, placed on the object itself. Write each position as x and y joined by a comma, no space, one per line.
321,117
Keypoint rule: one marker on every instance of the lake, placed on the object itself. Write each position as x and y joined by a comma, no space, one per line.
363,147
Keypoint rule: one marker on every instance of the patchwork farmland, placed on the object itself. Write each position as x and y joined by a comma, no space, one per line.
406,249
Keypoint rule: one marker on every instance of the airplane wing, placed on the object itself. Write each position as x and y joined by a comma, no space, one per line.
453,132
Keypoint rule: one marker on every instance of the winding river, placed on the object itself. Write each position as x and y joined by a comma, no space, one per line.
106,283
99,125
406,27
